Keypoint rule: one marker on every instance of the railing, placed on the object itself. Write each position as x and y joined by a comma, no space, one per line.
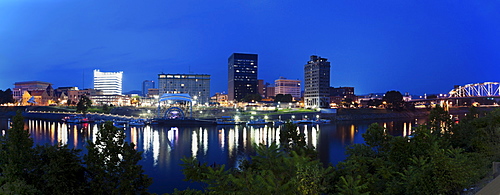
88,113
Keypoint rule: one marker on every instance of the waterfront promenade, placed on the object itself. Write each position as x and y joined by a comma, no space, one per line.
125,113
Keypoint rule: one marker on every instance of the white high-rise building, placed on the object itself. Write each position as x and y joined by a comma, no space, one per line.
110,83
317,83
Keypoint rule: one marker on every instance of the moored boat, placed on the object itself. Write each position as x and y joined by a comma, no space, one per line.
137,122
75,119
258,122
225,120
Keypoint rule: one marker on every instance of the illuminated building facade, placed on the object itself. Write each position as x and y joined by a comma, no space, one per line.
75,95
242,75
317,83
115,100
196,85
287,86
337,95
261,87
21,87
110,83
42,93
219,99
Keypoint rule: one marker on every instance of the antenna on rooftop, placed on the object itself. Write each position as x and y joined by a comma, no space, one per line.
83,79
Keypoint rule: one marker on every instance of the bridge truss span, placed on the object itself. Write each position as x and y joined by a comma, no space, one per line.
486,89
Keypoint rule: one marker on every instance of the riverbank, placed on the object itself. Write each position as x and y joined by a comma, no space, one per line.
374,114
57,113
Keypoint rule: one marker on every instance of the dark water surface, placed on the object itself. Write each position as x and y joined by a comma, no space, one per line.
163,147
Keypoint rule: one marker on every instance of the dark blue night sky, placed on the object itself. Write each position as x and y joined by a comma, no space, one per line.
375,46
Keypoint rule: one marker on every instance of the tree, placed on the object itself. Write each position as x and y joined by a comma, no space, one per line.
376,138
289,168
271,171
251,97
440,121
17,151
112,164
291,139
348,102
16,158
106,109
41,170
135,100
351,186
59,170
421,164
6,96
83,104
394,99
374,102
283,98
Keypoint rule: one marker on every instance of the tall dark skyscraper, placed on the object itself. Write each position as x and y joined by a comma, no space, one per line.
242,75
317,83
147,84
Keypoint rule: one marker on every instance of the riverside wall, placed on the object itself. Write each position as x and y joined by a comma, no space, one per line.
341,115
374,114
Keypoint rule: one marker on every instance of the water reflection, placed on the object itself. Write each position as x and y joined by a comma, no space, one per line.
227,142
163,147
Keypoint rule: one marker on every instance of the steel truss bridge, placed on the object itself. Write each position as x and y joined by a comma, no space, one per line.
486,89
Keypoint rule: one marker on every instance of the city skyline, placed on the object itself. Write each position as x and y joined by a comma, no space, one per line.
413,46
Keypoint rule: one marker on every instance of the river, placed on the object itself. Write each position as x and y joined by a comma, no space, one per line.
163,147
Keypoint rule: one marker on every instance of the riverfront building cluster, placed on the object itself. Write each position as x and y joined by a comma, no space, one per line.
243,83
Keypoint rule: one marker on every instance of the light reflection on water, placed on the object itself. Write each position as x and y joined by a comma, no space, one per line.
163,147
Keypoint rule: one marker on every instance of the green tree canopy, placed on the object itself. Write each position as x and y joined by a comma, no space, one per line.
252,97
283,98
112,164
40,170
6,96
83,104
394,99
275,169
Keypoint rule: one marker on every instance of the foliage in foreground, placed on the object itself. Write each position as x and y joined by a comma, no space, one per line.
285,169
438,158
112,164
109,168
